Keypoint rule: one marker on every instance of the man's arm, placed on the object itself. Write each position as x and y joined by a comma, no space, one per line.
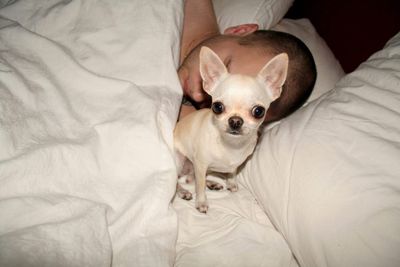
199,23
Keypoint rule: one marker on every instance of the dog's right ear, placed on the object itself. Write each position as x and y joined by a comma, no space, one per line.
211,68
274,74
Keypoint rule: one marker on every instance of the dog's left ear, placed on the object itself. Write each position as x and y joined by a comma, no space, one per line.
274,74
211,68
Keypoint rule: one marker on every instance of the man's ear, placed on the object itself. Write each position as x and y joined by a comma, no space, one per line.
211,68
241,30
274,73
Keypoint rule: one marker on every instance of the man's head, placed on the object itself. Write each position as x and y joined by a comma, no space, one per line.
245,51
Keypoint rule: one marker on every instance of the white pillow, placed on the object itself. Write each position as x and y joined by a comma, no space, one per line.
329,175
265,13
329,70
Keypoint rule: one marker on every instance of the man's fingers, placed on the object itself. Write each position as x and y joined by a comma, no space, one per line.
191,85
197,96
196,91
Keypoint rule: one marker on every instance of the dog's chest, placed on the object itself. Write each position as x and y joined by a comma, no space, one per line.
228,160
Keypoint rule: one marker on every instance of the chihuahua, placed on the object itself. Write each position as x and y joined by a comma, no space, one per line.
220,138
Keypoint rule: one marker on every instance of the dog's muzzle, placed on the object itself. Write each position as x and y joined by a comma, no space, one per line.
235,124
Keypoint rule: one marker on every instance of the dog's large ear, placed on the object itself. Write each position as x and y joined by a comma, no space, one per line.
211,68
274,74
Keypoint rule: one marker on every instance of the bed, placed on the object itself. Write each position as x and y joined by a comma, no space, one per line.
89,97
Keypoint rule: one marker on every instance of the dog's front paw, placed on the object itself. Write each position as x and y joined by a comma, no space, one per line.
202,206
232,186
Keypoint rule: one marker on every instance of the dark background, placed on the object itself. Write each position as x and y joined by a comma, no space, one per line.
353,29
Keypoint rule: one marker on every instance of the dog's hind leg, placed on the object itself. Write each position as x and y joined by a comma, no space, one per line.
231,183
212,185
188,170
183,169
183,193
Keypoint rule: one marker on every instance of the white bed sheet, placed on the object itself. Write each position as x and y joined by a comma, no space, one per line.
88,99
234,232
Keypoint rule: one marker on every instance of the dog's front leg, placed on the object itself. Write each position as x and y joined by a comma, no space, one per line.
200,171
231,183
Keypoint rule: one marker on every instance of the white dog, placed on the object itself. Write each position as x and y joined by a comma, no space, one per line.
220,139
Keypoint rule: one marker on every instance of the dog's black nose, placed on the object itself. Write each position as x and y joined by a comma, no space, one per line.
235,122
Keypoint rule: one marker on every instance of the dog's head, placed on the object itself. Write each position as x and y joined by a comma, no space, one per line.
240,102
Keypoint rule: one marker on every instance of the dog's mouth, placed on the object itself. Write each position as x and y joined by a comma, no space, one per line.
234,132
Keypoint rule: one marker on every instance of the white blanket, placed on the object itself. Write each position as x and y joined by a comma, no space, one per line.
88,100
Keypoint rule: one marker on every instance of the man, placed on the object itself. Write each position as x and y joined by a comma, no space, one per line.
243,49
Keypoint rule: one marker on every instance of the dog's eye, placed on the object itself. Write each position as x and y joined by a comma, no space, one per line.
217,107
258,112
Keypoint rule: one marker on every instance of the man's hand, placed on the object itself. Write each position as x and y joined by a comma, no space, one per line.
191,83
